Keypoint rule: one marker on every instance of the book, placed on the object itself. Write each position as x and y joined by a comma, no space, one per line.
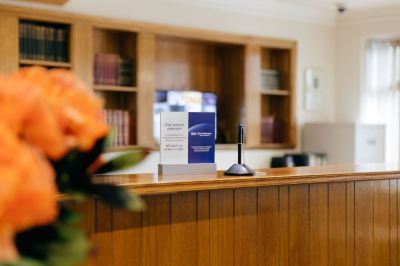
43,41
119,121
23,47
111,69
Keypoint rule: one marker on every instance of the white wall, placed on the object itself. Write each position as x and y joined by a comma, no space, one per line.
316,48
353,29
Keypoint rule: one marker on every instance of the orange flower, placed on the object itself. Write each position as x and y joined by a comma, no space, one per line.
28,195
42,113
78,111
24,110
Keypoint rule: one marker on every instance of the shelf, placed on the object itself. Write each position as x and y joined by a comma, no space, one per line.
275,92
45,63
273,146
122,148
114,88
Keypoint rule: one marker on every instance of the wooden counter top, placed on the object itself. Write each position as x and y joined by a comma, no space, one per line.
154,184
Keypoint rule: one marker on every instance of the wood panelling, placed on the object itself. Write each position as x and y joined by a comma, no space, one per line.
203,228
252,94
184,228
9,50
319,205
146,87
157,231
184,64
343,223
127,236
364,223
245,227
268,227
393,219
222,227
350,223
103,236
337,223
299,237
82,55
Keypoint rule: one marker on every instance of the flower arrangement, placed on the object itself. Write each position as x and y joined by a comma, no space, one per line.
53,136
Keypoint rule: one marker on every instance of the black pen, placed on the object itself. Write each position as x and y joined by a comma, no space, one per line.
240,142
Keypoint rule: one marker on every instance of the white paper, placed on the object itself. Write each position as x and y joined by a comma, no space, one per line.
174,138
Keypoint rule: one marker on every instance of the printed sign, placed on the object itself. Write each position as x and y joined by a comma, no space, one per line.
187,137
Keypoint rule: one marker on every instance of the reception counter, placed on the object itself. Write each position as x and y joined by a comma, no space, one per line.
332,215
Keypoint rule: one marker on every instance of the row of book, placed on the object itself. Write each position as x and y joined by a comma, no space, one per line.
111,69
120,124
272,130
270,79
43,42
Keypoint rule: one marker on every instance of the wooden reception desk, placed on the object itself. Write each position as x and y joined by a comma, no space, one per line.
332,215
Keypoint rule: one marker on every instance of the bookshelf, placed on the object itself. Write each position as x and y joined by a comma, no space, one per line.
166,57
114,79
187,64
276,102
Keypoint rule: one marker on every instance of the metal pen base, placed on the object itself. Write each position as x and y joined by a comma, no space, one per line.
239,170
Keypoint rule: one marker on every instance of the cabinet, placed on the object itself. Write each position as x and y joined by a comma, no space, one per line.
126,62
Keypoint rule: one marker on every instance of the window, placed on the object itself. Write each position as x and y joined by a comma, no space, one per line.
380,95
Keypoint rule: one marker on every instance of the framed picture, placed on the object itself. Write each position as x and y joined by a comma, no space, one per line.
313,89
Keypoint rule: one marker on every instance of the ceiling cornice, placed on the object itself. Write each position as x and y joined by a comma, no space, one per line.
386,13
269,9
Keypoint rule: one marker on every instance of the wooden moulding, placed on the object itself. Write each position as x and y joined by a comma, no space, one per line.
52,2
155,184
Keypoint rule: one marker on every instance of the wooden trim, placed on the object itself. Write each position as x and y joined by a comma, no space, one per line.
275,92
293,105
150,184
52,2
114,88
32,62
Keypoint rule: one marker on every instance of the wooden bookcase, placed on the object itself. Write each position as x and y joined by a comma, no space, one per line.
187,64
117,44
276,104
165,58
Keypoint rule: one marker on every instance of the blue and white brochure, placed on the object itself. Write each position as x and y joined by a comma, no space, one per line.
187,137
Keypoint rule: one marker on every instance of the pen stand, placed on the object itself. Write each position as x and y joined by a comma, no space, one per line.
239,170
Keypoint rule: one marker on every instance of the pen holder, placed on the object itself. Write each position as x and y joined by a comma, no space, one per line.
240,169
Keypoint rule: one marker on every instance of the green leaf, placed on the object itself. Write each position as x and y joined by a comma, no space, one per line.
73,247
118,197
23,262
56,244
68,216
123,161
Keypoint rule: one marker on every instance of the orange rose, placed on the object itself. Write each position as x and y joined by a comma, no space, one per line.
28,195
24,110
77,109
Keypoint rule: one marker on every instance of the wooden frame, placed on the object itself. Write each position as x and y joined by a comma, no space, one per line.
52,2
245,92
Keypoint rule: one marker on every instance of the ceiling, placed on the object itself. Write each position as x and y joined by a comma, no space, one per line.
354,4
313,11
